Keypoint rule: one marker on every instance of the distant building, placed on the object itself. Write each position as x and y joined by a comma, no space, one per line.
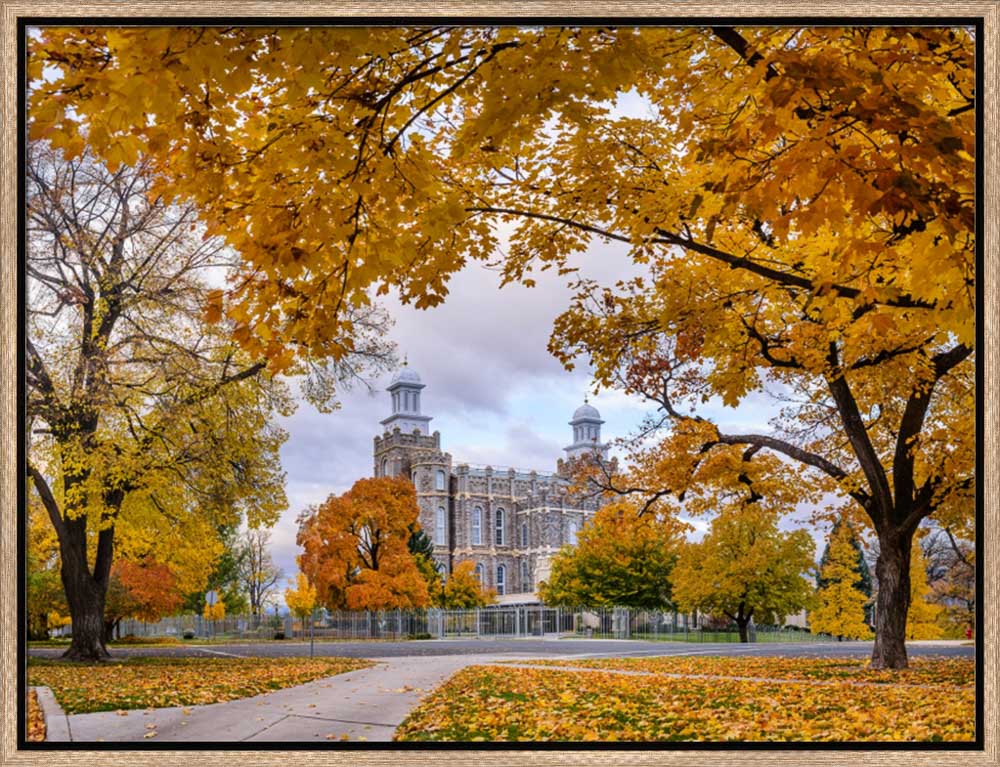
510,522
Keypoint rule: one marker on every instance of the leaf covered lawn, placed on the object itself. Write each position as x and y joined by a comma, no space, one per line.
162,682
923,670
500,703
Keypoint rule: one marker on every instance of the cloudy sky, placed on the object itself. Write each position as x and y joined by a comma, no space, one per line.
494,392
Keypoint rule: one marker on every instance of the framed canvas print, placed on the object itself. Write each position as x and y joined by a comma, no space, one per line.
526,384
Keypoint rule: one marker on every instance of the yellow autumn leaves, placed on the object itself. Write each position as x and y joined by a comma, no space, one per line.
161,682
646,700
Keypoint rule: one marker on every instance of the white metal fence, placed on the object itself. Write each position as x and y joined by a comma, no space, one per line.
498,622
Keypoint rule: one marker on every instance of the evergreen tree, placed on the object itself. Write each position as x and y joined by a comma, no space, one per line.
420,544
841,610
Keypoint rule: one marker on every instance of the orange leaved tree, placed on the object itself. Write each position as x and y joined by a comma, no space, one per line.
146,590
354,547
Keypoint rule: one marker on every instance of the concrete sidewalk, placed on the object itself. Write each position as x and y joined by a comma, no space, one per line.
362,705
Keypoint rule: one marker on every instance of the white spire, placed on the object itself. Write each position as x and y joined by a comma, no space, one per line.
404,390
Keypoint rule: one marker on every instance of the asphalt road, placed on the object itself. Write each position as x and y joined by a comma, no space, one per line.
552,648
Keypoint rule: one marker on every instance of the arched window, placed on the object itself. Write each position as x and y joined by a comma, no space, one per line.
498,538
501,580
572,528
525,576
477,526
440,531
524,535
480,573
385,467
439,480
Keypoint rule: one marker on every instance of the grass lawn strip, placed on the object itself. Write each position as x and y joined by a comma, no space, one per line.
503,703
638,672
927,670
36,720
162,682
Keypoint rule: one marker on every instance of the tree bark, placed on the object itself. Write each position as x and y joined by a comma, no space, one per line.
893,601
86,609
744,624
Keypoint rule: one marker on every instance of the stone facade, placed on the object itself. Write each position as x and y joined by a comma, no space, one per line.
509,522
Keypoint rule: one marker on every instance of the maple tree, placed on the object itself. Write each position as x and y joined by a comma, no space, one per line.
150,428
214,612
355,547
301,599
745,568
463,590
146,423
146,590
622,558
923,620
801,198
841,603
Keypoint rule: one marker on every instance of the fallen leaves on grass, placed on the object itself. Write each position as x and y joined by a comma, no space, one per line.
160,682
36,720
496,703
924,670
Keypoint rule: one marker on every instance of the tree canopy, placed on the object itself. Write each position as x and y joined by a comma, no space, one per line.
355,547
463,590
745,569
621,559
300,596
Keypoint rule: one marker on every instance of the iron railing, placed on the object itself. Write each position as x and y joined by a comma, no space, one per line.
495,622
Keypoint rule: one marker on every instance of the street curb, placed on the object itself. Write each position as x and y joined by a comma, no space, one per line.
56,721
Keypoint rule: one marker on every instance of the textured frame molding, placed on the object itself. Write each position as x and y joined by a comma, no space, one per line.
989,357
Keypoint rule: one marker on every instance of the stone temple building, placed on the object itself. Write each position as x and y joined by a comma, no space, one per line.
510,522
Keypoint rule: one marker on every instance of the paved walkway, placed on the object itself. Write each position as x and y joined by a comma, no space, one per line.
360,705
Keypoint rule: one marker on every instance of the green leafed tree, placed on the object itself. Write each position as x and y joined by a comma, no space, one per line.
745,569
621,558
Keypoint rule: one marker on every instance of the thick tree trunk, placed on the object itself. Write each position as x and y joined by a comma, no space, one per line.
744,625
86,591
86,609
893,602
